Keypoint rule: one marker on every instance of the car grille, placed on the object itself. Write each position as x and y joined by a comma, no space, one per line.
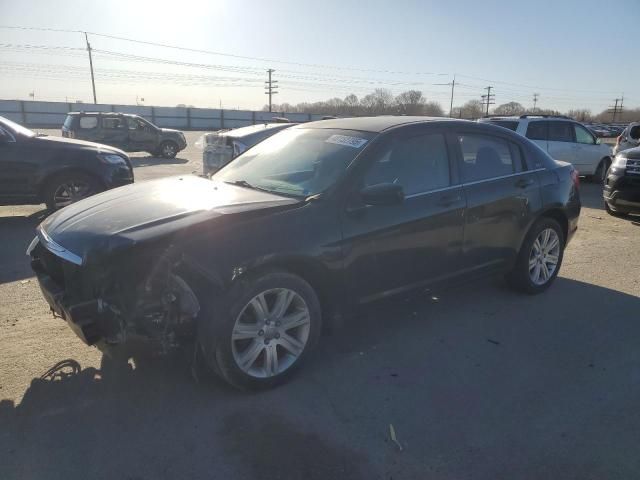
633,166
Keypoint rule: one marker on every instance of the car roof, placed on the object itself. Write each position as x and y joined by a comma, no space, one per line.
105,113
251,129
376,124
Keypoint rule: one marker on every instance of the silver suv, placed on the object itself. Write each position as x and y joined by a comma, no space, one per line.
564,139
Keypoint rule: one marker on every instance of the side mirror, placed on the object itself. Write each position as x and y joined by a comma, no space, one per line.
597,141
382,194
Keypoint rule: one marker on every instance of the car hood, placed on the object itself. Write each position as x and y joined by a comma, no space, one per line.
149,210
63,142
632,152
170,131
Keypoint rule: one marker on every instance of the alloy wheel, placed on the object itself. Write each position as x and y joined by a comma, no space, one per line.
544,256
270,333
70,192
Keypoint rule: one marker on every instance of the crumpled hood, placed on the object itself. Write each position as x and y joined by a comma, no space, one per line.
63,142
148,210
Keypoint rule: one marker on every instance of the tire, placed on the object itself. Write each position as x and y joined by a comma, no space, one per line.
614,213
168,149
522,276
73,185
231,331
601,172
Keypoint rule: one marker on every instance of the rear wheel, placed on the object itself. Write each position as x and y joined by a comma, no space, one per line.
67,188
602,171
260,333
539,258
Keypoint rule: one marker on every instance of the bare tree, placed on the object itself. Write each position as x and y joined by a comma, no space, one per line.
433,109
511,108
411,102
471,110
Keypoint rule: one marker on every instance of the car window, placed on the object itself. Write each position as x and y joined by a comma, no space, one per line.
419,164
112,122
484,157
511,125
537,131
68,121
88,122
561,132
583,135
135,124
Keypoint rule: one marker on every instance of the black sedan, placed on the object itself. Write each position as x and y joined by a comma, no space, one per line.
308,224
57,171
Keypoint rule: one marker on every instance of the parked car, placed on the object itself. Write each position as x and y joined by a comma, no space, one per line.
564,139
313,221
622,188
131,133
629,138
36,168
219,148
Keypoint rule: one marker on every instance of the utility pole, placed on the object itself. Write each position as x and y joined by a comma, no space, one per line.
453,86
614,109
535,101
270,86
489,98
93,81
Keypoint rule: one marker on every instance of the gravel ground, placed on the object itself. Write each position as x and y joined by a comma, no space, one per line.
479,382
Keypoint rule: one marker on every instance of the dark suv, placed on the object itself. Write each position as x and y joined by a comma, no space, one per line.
57,171
315,220
128,132
622,187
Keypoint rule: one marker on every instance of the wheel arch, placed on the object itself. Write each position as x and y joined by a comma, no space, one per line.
44,181
559,216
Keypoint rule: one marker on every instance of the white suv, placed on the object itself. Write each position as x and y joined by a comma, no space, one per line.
564,139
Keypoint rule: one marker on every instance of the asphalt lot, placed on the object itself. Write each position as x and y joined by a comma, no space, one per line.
479,382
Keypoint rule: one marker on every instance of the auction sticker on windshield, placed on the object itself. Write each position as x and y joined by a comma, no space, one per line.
346,140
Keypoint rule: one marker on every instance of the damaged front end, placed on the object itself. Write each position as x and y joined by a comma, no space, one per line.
141,293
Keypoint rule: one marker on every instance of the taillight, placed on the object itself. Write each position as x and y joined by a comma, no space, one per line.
575,177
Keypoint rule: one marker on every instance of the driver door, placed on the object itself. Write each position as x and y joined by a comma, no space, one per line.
391,248
142,135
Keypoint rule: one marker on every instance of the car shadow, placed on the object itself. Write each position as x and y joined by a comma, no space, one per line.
152,161
591,195
16,234
476,379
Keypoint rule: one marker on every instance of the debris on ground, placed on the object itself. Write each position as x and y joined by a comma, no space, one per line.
394,439
491,340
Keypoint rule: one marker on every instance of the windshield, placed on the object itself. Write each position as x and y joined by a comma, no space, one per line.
297,162
15,128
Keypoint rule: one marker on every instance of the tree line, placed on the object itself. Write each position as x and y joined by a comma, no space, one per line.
413,102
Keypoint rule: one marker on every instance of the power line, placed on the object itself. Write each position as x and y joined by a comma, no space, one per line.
212,52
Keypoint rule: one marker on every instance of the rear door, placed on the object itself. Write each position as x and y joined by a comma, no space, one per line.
113,131
538,132
562,141
86,128
19,164
396,247
501,194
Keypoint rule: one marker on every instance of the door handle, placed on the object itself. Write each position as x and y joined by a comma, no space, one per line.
524,183
448,200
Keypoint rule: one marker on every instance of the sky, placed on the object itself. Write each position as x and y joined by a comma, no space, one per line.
574,54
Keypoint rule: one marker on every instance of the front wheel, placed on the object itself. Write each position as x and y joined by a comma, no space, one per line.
259,334
67,188
614,213
602,171
168,149
539,258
